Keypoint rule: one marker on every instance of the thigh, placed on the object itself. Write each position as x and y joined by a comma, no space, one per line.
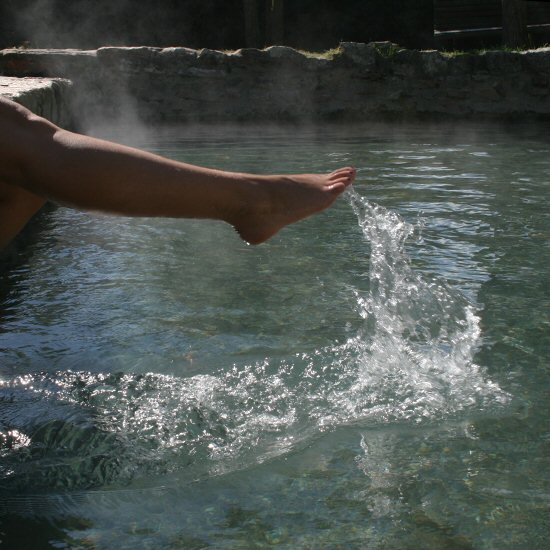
17,207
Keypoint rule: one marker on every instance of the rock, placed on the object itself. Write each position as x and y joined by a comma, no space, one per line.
47,97
434,64
285,53
500,62
364,55
357,82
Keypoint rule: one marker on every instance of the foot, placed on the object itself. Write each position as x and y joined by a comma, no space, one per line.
287,199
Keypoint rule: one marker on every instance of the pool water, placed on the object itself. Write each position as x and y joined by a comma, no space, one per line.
377,376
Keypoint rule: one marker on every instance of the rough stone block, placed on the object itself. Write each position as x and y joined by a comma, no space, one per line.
364,55
501,62
537,60
433,64
47,97
285,53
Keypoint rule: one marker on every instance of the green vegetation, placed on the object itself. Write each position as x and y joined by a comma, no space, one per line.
386,49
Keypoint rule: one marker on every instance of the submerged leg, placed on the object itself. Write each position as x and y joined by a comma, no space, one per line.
93,174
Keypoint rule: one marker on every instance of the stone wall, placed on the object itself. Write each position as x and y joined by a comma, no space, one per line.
47,97
358,82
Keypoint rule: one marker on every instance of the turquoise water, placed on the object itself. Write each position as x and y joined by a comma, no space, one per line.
376,376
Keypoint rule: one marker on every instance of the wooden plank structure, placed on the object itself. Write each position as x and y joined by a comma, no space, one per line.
463,24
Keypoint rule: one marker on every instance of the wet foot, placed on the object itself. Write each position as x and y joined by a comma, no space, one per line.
283,200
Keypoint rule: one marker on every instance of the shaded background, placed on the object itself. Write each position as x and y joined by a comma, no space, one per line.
217,24
233,24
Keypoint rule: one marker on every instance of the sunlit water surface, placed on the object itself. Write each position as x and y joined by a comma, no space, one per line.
376,376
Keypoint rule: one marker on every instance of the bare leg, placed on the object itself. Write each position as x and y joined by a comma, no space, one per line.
50,163
17,206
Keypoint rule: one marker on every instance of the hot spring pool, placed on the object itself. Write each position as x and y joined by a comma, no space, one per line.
377,376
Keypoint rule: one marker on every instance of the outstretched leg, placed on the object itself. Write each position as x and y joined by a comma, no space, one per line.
87,173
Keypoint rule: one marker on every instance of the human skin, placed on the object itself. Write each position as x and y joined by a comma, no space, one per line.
41,162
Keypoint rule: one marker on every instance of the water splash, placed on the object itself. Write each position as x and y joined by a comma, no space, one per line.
414,356
412,360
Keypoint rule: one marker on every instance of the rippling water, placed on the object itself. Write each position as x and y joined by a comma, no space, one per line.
375,376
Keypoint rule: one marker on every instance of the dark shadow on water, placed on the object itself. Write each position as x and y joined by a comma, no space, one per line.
18,253
17,532
16,258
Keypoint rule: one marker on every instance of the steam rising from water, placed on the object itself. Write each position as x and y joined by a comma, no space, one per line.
412,361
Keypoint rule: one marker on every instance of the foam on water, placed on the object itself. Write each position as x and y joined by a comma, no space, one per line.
411,361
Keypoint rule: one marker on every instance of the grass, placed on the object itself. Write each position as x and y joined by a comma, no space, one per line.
480,51
385,49
327,54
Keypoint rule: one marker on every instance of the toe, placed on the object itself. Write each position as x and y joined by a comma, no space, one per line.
343,176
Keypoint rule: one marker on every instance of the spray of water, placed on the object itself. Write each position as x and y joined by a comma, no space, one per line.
411,361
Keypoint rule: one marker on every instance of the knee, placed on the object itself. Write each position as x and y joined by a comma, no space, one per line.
22,135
